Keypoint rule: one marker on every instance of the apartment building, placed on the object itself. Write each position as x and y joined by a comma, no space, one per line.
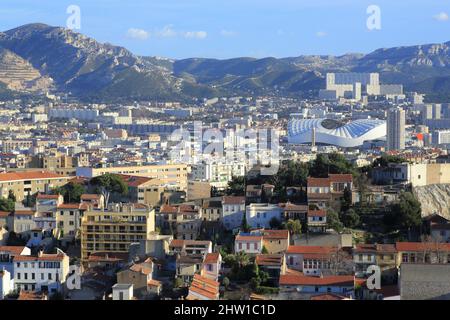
113,229
259,215
324,192
233,210
174,176
23,184
44,272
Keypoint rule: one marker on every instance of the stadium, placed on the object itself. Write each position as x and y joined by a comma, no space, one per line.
332,132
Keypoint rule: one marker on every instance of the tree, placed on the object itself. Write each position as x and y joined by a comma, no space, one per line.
11,196
226,282
236,186
294,227
242,259
406,214
333,220
320,167
350,218
108,184
245,227
275,223
6,204
71,192
346,199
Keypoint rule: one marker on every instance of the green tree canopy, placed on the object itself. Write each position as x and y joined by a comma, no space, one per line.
108,184
71,192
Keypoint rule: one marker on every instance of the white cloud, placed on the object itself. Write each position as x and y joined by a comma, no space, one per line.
321,34
166,32
443,16
195,34
228,33
138,34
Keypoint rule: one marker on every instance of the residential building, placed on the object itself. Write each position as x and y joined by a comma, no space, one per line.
170,175
211,210
422,252
44,272
259,215
276,241
293,286
115,228
203,288
273,264
6,283
248,243
122,292
191,247
311,260
212,266
141,276
325,192
233,210
381,255
317,221
23,184
396,119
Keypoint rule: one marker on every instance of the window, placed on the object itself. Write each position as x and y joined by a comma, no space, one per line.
18,275
49,276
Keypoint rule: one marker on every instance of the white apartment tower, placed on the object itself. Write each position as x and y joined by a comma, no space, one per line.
396,119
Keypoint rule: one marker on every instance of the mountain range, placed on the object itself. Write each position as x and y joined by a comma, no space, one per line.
39,58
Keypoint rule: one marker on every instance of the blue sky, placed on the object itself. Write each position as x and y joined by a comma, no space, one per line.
235,28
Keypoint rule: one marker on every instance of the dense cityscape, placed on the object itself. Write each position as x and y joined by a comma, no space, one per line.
339,193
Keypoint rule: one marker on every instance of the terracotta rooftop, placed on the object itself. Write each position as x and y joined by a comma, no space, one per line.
421,246
311,249
233,200
212,257
316,281
276,234
29,175
269,259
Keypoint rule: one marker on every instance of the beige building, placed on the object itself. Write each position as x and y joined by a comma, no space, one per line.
171,175
29,183
115,228
198,190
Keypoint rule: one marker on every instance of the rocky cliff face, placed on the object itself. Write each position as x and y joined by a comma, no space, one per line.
434,199
19,75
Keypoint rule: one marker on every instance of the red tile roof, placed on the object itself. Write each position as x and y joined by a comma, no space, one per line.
248,238
47,196
88,196
69,206
233,200
13,250
212,257
318,182
30,175
205,287
303,280
269,259
311,249
317,213
276,234
421,246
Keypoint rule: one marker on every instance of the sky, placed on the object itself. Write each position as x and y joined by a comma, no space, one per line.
236,28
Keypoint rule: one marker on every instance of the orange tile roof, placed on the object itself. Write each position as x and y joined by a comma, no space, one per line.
317,213
212,257
4,214
311,249
269,259
47,196
23,213
421,246
88,196
276,234
29,175
318,182
248,238
340,177
43,257
69,206
233,200
317,281
205,287
168,209
13,250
